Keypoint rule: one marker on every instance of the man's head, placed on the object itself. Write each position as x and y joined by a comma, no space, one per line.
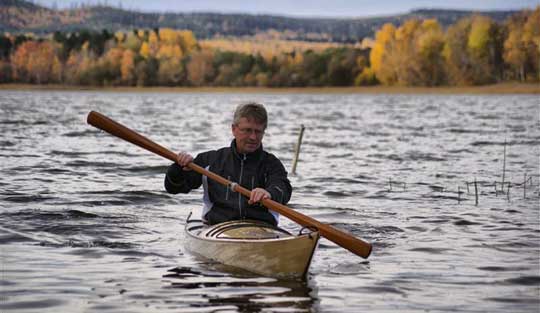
249,123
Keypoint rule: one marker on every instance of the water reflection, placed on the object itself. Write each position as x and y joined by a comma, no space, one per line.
225,287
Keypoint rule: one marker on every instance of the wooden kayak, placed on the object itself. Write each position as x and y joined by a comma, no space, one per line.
253,246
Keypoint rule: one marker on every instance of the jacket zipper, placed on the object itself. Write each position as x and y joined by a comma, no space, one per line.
242,159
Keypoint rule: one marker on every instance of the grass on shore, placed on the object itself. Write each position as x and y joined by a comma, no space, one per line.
502,88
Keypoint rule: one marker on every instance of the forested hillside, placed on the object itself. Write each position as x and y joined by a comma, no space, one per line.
23,16
474,50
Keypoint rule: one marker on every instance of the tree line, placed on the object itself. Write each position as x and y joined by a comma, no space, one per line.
475,50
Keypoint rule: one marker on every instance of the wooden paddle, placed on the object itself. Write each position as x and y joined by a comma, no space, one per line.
339,237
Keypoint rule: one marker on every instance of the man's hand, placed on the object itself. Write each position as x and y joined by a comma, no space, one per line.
183,159
258,194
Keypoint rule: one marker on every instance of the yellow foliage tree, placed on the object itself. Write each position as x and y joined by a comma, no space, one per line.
127,68
169,51
145,50
480,36
482,49
187,40
408,55
167,36
382,39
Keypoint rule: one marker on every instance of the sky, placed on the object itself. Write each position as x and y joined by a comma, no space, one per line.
301,8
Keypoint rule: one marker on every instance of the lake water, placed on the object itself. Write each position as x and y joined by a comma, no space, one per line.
86,225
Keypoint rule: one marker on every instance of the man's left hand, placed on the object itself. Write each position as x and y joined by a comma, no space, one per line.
258,194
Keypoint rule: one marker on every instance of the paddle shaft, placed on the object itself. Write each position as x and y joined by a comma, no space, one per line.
337,236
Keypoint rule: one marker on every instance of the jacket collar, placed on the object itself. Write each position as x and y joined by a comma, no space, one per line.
246,156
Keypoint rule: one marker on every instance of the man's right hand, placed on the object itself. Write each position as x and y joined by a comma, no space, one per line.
183,159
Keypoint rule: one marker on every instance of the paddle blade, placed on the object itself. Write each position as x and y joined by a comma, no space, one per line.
337,236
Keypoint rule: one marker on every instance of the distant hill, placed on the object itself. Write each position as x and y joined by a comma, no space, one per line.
23,16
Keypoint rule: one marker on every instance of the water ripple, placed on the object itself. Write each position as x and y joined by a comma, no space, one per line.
86,224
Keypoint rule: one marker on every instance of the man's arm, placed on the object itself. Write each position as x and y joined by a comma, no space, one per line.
277,183
180,179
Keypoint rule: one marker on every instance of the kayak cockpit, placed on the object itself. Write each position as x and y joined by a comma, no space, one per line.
245,230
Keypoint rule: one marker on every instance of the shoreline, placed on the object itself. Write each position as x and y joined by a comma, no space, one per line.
502,88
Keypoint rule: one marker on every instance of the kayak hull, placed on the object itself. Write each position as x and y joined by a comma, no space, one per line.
253,246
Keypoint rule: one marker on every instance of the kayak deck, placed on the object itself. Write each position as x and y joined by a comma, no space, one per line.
253,246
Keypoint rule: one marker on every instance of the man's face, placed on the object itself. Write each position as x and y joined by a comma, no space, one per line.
248,135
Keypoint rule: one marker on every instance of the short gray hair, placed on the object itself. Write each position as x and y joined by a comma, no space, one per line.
251,111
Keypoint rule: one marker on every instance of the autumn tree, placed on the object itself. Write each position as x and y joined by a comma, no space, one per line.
231,67
531,32
378,55
169,54
482,47
473,51
127,67
170,72
429,45
459,65
366,78
515,49
408,55
522,45
84,68
200,68
145,50
401,56
36,62
132,42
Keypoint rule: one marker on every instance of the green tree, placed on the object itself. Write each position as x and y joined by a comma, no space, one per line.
6,47
314,68
342,66
170,72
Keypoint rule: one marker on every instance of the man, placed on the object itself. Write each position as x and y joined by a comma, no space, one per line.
243,162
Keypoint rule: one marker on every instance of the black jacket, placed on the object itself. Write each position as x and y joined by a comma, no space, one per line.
258,169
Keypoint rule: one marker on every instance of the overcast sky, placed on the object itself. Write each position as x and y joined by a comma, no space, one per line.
303,8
